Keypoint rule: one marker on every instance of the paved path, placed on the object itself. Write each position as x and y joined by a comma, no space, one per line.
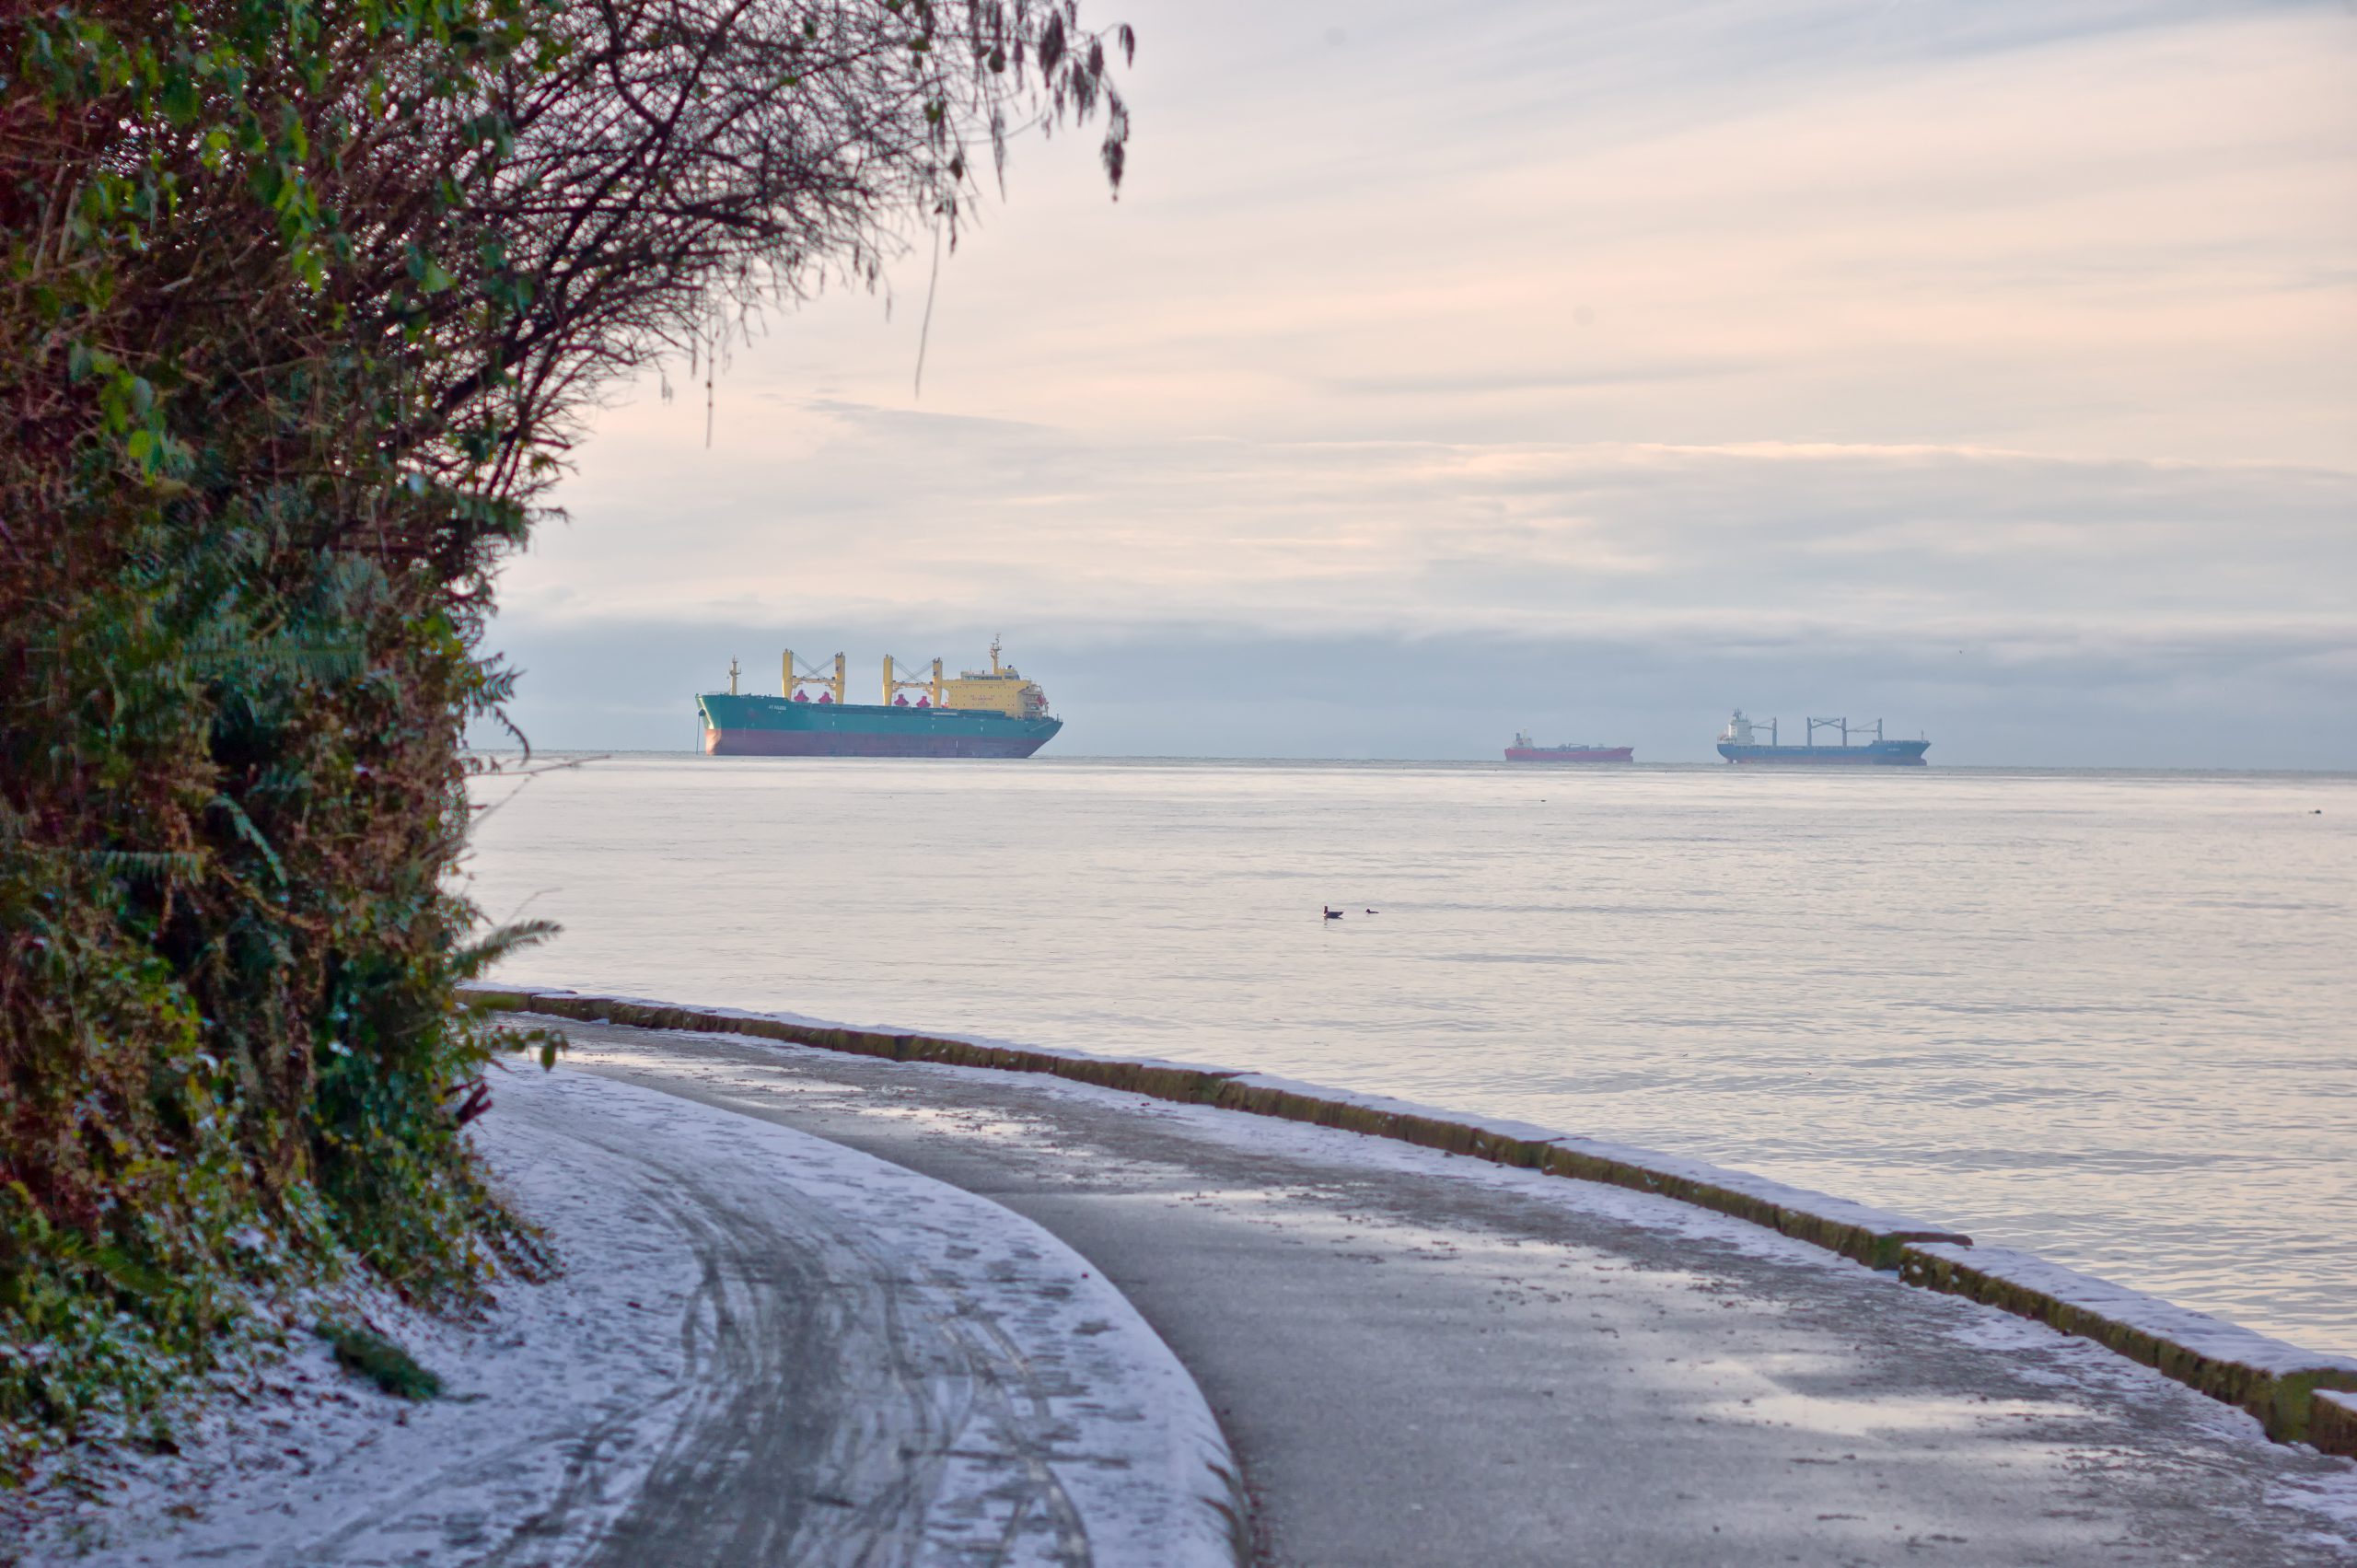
1422,1360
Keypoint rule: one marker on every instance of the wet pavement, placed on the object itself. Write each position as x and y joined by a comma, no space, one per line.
1421,1359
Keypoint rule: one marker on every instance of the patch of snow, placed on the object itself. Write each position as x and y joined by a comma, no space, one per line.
2212,1338
2333,1499
1251,1133
563,1400
804,1020
1820,1205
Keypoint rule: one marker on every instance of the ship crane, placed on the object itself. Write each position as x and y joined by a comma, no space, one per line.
932,687
1844,726
797,676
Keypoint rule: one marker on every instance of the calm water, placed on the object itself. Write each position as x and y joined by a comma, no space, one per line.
2107,1017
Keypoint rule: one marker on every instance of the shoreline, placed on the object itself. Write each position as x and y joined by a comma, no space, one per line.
2297,1395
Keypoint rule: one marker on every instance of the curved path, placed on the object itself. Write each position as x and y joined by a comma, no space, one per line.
767,1350
1423,1360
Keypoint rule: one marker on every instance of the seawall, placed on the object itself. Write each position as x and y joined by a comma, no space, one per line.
2297,1395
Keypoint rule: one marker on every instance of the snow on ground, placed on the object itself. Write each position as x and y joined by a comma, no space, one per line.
716,1268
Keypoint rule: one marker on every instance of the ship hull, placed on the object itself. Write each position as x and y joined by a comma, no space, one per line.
1879,754
1570,753
771,726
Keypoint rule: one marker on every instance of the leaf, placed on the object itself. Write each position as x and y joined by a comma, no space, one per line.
244,826
469,961
146,865
220,657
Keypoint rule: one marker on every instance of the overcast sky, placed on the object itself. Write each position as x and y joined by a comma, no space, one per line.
1990,369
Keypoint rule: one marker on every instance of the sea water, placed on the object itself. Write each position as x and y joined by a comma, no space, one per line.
2107,1017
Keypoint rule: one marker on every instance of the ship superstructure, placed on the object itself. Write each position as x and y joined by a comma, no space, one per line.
1740,742
981,712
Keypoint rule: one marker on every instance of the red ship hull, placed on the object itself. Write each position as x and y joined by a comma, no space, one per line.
1569,753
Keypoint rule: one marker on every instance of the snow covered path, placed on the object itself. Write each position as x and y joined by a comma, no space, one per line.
766,1350
1424,1360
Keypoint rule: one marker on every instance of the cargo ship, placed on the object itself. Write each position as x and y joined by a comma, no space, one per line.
983,712
1523,751
1739,742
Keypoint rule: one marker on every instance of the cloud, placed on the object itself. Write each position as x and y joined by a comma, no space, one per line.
1046,526
1747,348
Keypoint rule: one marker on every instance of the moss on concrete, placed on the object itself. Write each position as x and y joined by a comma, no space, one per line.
2281,1399
2332,1421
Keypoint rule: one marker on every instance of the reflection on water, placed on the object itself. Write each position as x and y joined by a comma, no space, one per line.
2103,1017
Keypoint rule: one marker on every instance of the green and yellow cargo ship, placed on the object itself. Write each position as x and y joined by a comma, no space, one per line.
992,713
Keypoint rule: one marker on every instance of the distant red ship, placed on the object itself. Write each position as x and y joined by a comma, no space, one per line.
1522,750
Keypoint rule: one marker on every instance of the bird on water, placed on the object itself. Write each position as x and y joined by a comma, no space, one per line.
1331,913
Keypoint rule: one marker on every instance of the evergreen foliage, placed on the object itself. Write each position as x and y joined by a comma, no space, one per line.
362,1349
299,300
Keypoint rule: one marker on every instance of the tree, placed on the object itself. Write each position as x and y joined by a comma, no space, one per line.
302,305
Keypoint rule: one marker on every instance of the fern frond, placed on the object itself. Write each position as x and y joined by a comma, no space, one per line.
244,826
146,865
469,961
323,662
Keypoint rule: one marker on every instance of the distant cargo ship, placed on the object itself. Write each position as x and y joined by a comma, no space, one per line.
1522,750
992,713
1739,742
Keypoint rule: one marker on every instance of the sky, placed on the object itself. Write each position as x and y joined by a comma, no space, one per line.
1588,369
